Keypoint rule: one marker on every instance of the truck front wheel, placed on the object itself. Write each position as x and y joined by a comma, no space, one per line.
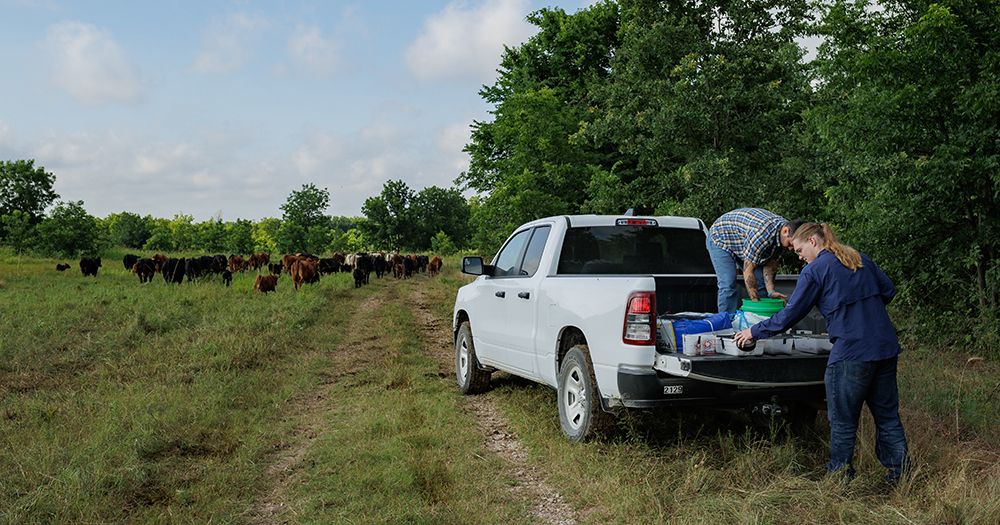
472,379
580,412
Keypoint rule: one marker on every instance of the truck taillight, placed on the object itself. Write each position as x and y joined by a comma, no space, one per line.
640,319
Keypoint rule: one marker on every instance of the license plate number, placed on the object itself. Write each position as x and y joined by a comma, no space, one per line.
673,389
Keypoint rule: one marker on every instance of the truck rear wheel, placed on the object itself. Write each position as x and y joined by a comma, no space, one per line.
580,413
472,379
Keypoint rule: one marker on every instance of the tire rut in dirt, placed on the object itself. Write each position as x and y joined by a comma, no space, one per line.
547,504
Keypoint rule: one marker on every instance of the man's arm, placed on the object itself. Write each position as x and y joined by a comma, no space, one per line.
751,280
770,271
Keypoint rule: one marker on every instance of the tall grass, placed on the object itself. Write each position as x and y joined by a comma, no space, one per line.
129,403
126,401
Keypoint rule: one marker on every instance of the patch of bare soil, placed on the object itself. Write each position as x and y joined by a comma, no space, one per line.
547,504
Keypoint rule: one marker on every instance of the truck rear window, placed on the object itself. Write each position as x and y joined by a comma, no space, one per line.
625,250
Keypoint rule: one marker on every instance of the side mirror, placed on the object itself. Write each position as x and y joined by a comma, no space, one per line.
472,265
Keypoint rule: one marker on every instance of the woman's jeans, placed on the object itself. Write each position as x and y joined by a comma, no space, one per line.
727,266
849,385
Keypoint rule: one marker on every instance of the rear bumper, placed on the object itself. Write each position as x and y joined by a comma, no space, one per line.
649,388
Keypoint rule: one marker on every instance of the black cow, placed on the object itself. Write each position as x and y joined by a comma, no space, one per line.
359,277
328,266
129,261
62,267
380,266
219,264
145,269
192,268
227,277
409,264
173,270
365,262
89,265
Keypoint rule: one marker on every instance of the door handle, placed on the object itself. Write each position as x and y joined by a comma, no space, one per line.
501,294
523,295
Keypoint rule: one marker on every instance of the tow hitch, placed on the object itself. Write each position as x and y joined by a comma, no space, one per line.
769,411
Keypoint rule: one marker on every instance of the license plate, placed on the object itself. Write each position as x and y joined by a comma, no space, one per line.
673,389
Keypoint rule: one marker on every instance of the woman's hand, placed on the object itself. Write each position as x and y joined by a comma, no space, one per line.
742,337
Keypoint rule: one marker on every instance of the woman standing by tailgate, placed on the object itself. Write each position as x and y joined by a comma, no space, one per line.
851,292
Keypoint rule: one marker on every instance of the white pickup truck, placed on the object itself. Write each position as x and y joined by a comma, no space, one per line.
572,302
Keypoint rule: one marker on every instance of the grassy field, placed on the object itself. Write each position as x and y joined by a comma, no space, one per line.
197,403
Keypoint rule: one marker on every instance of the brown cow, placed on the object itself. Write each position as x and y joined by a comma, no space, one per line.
258,261
434,266
238,264
287,262
159,259
304,271
265,283
397,271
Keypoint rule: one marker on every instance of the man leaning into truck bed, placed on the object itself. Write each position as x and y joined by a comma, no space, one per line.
750,239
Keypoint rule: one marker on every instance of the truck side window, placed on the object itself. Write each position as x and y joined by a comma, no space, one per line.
506,261
533,255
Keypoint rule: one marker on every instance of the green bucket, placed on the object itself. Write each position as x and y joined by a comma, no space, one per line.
766,307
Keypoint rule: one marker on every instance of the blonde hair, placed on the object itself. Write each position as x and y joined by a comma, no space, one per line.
828,240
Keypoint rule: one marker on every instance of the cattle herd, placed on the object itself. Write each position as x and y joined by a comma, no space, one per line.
301,268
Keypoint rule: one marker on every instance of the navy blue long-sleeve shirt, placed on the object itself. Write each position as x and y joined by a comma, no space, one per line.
853,304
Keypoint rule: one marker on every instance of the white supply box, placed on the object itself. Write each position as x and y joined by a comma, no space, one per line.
728,346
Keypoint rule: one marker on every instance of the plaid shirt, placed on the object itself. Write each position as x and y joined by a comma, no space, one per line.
751,234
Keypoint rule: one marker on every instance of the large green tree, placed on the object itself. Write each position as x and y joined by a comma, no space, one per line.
240,237
525,162
437,210
19,231
911,102
128,230
210,236
69,230
25,187
705,95
306,206
390,223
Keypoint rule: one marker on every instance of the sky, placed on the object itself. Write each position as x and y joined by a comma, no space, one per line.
223,109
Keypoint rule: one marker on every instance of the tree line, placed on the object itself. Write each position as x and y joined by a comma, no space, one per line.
399,219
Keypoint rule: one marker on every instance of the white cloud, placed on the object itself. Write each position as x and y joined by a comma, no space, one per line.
319,150
113,173
450,141
228,45
91,66
312,54
468,42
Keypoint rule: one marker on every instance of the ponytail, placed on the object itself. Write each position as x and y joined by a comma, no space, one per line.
847,256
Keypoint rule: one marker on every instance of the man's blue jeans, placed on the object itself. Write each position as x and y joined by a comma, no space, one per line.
727,267
849,385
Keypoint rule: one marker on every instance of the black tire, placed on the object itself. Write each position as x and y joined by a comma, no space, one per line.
472,379
580,414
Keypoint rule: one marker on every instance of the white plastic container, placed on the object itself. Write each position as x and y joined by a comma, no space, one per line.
728,346
693,342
